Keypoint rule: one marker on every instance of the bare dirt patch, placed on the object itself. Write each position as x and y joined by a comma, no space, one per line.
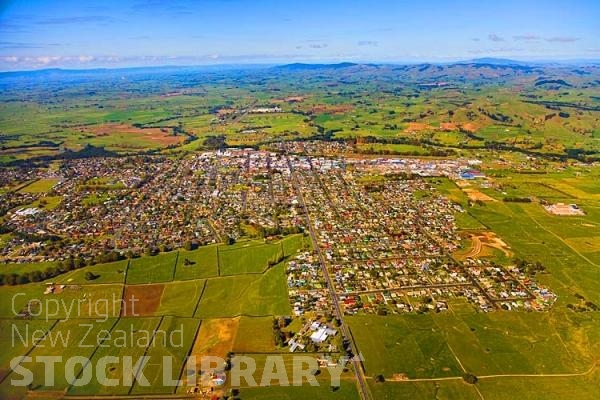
141,300
481,245
417,127
161,136
332,109
564,209
215,338
448,126
398,377
290,99
469,126
225,111
475,195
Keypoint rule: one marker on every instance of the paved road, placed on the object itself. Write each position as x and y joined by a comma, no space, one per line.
364,392
414,287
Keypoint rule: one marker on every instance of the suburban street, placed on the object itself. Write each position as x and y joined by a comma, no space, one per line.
356,362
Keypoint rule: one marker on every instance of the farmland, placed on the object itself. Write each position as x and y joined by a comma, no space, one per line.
421,117
346,390
532,345
186,307
419,204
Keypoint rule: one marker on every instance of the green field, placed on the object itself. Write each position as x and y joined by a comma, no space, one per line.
410,344
255,334
106,273
71,340
15,339
252,295
491,344
251,259
533,141
174,340
89,301
454,390
135,346
582,387
40,186
155,269
181,298
202,263
346,391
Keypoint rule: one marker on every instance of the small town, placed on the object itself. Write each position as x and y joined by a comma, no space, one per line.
385,235
351,200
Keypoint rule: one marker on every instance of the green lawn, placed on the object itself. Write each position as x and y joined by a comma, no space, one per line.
39,186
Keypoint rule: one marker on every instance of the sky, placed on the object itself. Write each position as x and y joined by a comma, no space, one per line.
38,34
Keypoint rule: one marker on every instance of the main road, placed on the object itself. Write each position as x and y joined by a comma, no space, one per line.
361,380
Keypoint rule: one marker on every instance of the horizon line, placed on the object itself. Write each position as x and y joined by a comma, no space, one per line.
265,63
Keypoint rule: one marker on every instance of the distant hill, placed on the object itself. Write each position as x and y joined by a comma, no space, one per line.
429,75
312,67
495,61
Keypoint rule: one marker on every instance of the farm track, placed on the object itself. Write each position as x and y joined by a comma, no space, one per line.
415,287
589,371
476,249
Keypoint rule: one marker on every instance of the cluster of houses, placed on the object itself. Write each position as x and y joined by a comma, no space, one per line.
384,233
316,335
386,238
307,288
142,203
509,288
148,203
316,148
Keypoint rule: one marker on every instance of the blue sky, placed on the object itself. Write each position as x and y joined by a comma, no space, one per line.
81,34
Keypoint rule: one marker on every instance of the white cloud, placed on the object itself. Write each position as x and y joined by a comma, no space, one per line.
562,39
495,38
